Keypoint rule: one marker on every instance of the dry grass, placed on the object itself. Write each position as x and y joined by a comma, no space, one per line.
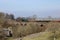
43,36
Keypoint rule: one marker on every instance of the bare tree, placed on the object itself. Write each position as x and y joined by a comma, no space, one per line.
34,17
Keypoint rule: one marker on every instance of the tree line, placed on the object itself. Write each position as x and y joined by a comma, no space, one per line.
18,19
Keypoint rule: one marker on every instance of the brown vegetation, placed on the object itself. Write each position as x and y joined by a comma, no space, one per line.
22,27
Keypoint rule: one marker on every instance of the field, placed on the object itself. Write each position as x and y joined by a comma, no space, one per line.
41,36
29,30
48,34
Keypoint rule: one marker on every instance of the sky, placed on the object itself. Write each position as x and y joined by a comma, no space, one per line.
41,8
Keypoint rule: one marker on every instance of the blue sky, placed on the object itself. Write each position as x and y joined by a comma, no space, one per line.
42,8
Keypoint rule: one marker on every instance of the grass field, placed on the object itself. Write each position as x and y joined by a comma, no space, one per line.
43,36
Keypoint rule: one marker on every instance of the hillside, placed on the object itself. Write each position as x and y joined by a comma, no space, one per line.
28,30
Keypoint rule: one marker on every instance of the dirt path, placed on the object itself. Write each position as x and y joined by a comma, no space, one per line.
31,36
34,35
